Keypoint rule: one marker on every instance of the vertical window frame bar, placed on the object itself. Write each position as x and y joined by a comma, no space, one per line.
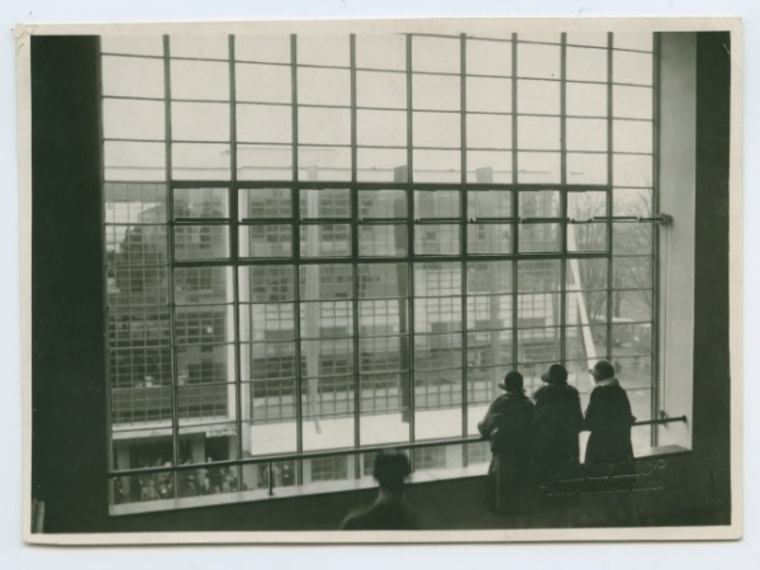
463,233
354,197
170,260
515,208
564,226
656,385
411,377
234,238
610,180
295,232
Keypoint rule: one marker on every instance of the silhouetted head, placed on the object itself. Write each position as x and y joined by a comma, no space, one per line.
513,382
391,469
602,370
557,374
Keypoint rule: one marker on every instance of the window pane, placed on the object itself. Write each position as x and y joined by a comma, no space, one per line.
489,58
586,134
538,204
263,83
632,170
378,89
440,130
586,100
324,163
274,49
629,67
200,203
119,119
381,128
538,276
268,240
632,102
485,166
382,204
538,60
632,272
632,202
325,203
323,50
200,80
381,165
585,168
632,238
436,204
264,162
537,346
538,97
436,54
136,45
201,242
586,205
437,239
538,167
599,39
489,94
132,76
205,47
326,240
133,203
383,240
324,86
489,238
437,165
381,51
632,136
586,64
200,285
538,133
489,203
383,281
587,237
436,92
264,123
642,41
489,131
265,203
324,126
123,161
200,161
200,122
489,277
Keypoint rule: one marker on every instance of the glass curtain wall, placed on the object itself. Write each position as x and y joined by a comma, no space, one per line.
327,242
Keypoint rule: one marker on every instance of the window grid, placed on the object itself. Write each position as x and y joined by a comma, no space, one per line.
405,181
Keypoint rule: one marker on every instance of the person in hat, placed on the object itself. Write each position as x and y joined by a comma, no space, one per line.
558,423
390,510
608,418
508,424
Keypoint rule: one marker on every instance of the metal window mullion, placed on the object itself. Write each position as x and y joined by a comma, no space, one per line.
655,336
515,206
411,382
354,197
296,204
610,150
463,234
235,255
563,199
170,261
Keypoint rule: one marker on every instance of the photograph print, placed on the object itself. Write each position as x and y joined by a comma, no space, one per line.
374,281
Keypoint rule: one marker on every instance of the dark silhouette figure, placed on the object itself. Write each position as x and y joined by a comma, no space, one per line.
558,421
608,418
609,452
389,511
508,424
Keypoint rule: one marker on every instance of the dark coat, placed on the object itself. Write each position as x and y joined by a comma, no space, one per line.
508,424
558,421
385,514
609,419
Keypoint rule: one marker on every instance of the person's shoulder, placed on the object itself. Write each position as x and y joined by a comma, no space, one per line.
555,393
355,520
